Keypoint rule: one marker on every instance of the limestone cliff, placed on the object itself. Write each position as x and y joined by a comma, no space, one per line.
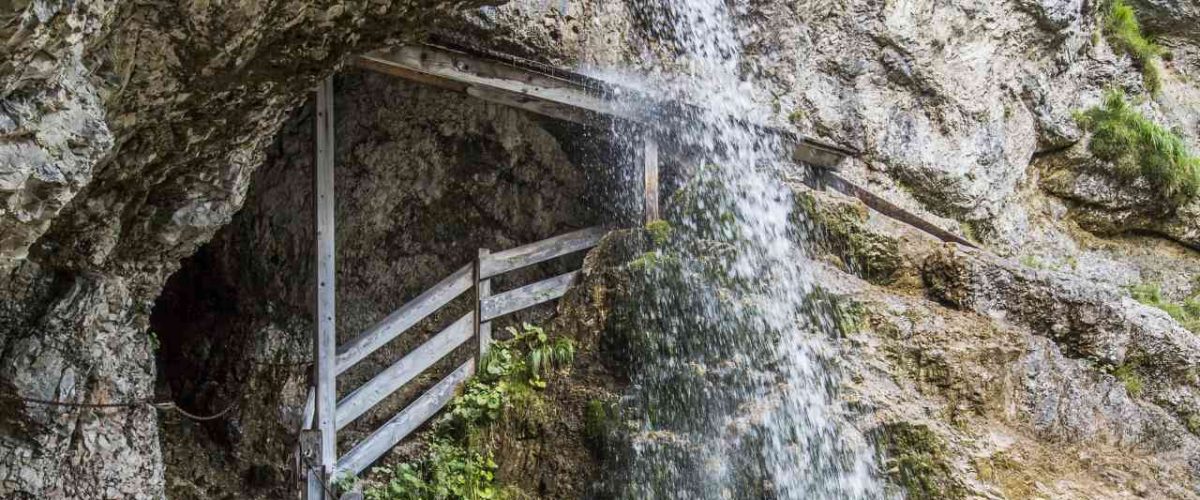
132,133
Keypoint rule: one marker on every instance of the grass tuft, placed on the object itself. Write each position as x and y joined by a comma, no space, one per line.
1140,148
1187,313
1125,34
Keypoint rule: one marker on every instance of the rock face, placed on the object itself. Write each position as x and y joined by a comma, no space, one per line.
131,132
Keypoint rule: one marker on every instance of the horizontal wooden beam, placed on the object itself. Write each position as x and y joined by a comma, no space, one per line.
404,318
404,423
515,258
389,380
512,85
526,296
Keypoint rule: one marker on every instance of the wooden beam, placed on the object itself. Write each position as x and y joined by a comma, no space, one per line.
650,177
483,290
526,296
404,318
383,439
308,463
325,340
512,85
890,209
533,253
389,380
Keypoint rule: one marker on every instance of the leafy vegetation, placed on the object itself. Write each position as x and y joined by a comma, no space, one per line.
457,466
1140,148
1125,34
1187,313
1127,373
660,231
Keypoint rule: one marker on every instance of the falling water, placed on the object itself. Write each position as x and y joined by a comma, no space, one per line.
734,390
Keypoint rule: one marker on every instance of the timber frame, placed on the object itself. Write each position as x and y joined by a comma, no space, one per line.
541,89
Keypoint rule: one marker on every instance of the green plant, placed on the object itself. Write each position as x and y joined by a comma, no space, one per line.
1187,312
1032,262
345,482
1125,33
1193,423
1139,148
154,343
1127,373
597,421
456,466
448,472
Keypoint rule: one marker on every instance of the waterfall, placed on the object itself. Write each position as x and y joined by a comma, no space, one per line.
735,386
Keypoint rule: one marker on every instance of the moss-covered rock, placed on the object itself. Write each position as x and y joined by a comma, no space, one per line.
840,229
916,462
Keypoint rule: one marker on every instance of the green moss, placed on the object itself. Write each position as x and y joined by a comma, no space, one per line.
843,231
598,421
1193,423
1125,34
1128,374
660,231
916,461
1140,148
1187,312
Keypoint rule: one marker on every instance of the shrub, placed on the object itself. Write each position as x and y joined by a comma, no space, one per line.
1140,148
1125,33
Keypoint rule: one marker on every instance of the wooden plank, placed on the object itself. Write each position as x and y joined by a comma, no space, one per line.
404,423
310,409
506,83
527,255
325,340
526,296
404,318
472,70
393,377
308,463
889,209
483,290
650,177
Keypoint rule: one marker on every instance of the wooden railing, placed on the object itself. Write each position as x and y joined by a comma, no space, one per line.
474,324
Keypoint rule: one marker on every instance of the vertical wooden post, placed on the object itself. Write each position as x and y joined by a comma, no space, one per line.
325,340
308,458
483,329
650,176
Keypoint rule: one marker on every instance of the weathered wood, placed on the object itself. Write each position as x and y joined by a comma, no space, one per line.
482,73
527,255
483,290
393,377
383,439
889,209
525,88
650,177
325,340
526,296
404,318
310,408
308,463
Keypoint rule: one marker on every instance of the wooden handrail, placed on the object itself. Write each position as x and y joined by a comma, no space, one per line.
515,258
527,296
401,425
389,380
404,318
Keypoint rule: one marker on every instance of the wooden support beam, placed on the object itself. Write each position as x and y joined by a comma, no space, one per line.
483,290
325,339
650,177
524,88
881,205
308,463
526,296
527,255
393,377
374,446
404,318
